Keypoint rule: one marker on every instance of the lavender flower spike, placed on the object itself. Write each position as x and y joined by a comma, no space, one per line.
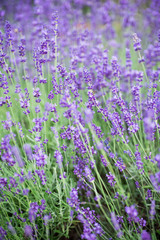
145,235
28,231
116,225
28,150
16,153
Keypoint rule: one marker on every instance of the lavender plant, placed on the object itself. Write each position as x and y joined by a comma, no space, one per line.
79,119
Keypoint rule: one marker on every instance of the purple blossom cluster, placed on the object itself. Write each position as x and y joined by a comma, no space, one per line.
116,220
91,229
36,210
80,119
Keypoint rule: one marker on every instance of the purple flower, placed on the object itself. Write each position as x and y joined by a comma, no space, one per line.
32,215
115,66
8,123
90,227
46,219
42,206
16,153
38,124
3,233
152,210
28,231
59,158
114,221
3,183
104,161
142,222
42,176
149,124
116,195
88,174
137,184
155,179
138,160
11,229
137,42
21,49
13,182
7,151
63,175
44,81
36,93
25,192
24,102
128,58
36,210
120,165
28,150
157,158
111,179
88,115
39,156
106,142
149,194
98,131
145,235
51,95
116,225
73,201
37,109
132,212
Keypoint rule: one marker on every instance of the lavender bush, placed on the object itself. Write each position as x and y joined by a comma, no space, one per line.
80,119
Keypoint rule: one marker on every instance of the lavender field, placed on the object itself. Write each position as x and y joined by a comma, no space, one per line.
79,119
